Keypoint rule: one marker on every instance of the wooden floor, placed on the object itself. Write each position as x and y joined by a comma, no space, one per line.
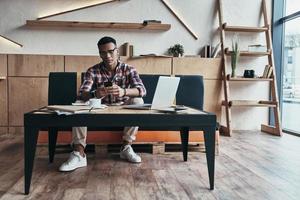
250,165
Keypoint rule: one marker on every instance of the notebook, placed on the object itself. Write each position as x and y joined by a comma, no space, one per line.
164,95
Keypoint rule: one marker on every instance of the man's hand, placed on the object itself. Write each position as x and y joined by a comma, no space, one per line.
115,90
101,92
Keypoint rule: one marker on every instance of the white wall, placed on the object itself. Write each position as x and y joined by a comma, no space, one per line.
200,15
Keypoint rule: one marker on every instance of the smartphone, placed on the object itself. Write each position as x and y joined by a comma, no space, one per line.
108,84
110,96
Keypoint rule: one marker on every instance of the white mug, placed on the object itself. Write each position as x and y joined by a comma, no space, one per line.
95,103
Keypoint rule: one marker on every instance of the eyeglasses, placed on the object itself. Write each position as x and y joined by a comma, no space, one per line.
110,52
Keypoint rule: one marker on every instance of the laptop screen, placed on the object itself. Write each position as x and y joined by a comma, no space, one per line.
165,92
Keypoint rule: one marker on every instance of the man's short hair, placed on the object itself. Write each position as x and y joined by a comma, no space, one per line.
106,40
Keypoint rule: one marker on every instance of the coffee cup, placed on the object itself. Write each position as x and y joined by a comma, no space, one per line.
95,103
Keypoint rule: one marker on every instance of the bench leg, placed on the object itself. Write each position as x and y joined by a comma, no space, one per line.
184,133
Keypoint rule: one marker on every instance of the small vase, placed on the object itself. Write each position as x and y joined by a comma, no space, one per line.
234,61
233,73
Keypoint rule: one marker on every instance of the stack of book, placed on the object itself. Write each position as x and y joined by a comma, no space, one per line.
268,71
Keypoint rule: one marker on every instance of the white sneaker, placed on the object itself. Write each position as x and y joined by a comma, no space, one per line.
75,161
128,154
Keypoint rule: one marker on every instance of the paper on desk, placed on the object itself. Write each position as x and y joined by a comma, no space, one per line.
70,109
80,103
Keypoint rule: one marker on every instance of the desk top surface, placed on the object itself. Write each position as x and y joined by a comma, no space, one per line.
120,110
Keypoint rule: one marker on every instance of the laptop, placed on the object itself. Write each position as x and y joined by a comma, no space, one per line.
164,95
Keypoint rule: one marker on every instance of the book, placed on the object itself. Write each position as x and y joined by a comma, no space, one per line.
73,109
270,72
216,50
266,71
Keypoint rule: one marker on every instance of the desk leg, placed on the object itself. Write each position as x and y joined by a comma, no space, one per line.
209,138
184,133
52,138
30,140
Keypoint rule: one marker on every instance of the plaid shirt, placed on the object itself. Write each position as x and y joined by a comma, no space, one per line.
125,76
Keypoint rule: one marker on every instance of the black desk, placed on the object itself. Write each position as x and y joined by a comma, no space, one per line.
118,117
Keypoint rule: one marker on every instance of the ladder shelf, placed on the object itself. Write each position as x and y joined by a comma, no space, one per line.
226,53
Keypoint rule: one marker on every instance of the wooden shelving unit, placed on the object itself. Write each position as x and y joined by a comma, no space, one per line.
98,25
228,103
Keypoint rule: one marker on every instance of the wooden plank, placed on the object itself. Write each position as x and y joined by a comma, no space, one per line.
145,184
270,129
76,9
3,91
98,25
213,96
179,19
274,91
34,65
254,103
96,189
25,94
16,130
250,54
10,40
3,103
209,68
243,28
240,78
224,72
122,183
170,186
151,65
80,64
3,65
3,130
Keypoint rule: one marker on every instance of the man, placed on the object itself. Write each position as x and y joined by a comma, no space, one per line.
114,82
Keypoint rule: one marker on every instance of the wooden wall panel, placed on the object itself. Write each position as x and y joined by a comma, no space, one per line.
34,65
80,64
209,68
3,65
25,94
213,97
3,103
143,65
16,130
3,93
151,65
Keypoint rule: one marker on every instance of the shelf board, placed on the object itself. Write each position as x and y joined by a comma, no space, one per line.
247,53
250,103
2,78
240,78
98,25
244,28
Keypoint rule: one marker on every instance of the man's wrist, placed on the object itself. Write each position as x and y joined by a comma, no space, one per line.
124,92
93,94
